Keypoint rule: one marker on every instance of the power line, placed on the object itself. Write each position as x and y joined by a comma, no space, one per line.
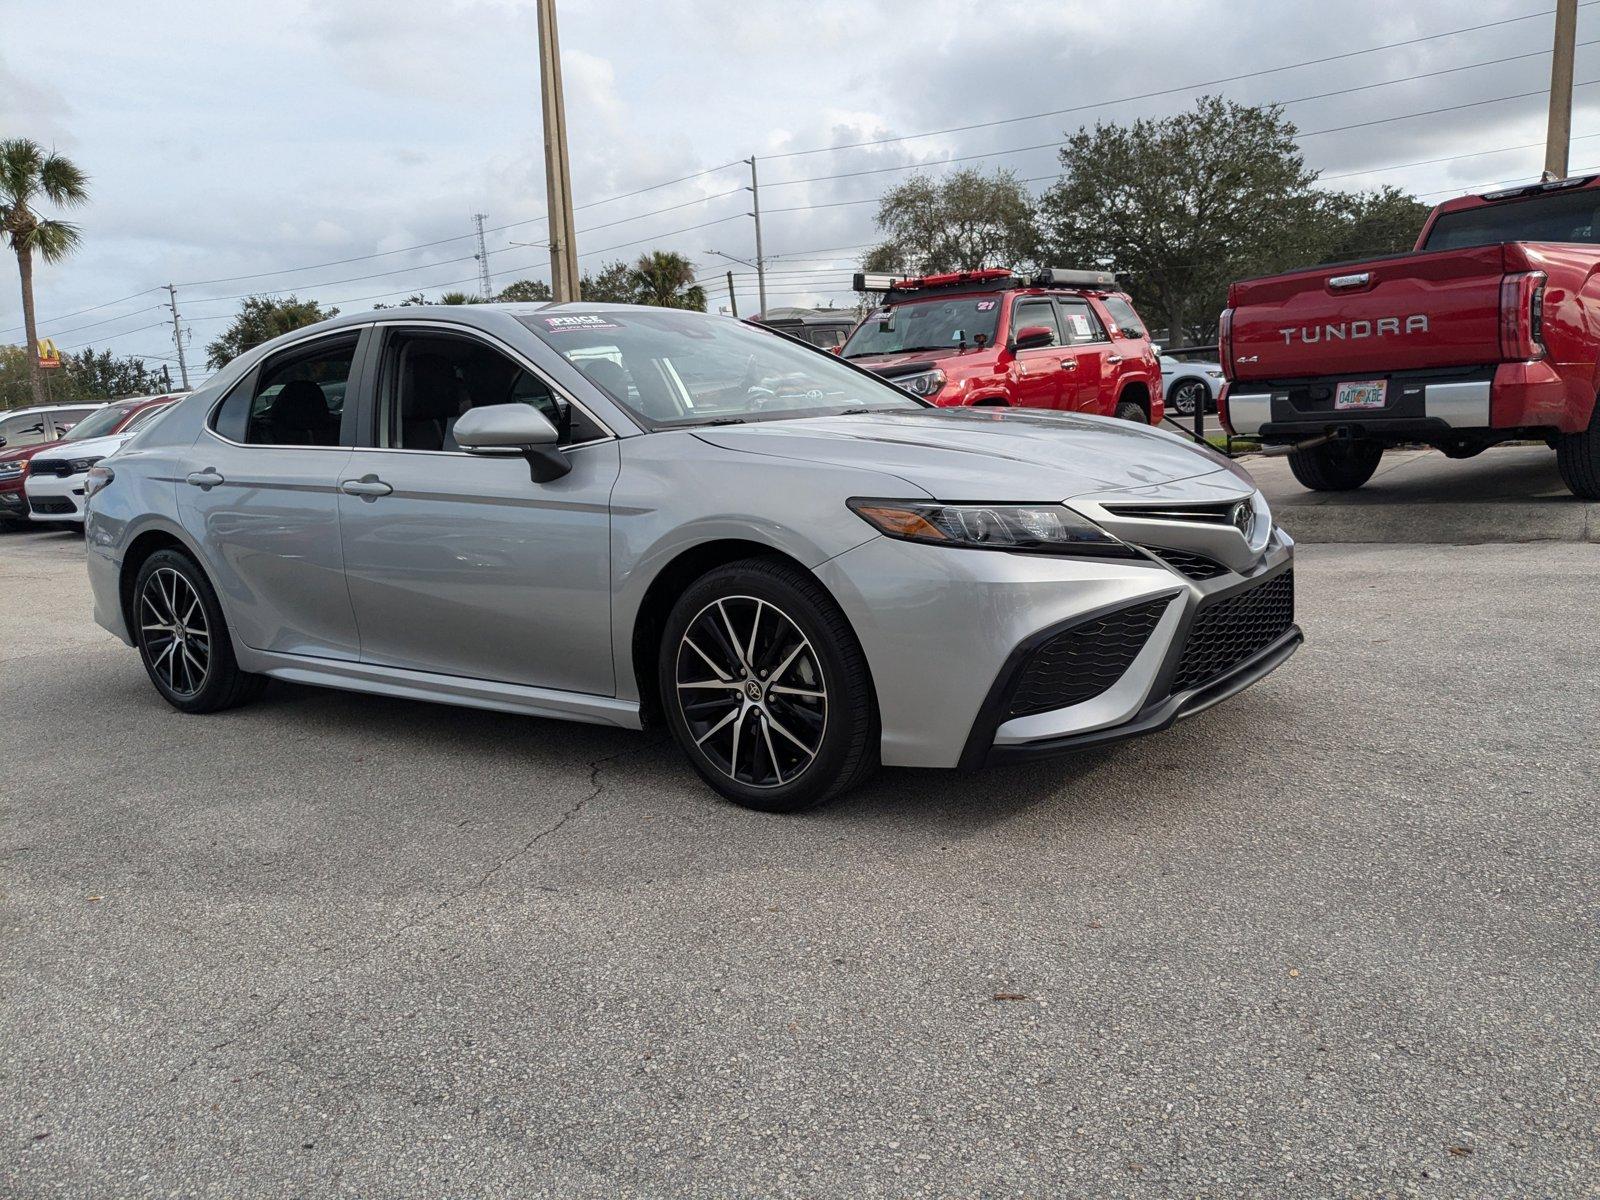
1058,112
1435,111
1493,62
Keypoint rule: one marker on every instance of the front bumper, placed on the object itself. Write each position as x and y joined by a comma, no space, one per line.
55,497
946,632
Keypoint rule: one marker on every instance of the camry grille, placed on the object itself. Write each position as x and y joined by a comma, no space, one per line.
1084,661
1228,631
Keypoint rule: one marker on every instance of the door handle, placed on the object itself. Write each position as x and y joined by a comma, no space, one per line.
368,487
1069,364
1113,359
205,480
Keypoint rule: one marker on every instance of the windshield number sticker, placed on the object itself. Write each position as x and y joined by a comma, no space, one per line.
985,305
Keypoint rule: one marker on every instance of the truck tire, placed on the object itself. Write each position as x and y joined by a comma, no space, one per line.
1131,410
1340,466
1578,459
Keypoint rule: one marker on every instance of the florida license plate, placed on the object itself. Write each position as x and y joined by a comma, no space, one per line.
1367,393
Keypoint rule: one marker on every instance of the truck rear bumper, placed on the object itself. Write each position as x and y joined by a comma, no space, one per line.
1427,406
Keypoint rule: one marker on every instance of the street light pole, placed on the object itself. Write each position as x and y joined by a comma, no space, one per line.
557,167
761,261
1559,133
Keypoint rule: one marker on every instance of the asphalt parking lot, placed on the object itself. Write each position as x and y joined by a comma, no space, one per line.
1333,938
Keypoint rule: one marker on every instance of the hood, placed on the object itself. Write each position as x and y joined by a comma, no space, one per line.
993,454
98,447
7,455
876,362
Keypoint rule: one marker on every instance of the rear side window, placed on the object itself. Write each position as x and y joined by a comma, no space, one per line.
1036,312
1122,315
1082,326
295,399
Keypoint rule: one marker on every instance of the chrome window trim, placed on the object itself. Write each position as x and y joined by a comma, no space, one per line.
515,355
211,413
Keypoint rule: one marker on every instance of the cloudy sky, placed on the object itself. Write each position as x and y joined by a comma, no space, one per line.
339,149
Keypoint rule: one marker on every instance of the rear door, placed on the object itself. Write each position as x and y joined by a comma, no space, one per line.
261,499
1041,373
1090,346
461,564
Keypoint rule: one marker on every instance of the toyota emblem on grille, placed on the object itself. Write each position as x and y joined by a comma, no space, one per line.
1243,517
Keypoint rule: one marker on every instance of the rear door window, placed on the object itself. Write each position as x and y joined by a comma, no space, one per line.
295,399
1082,326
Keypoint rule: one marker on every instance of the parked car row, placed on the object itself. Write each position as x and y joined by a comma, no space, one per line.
43,480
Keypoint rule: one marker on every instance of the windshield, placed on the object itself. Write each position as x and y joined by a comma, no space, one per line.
671,369
97,423
1558,217
926,325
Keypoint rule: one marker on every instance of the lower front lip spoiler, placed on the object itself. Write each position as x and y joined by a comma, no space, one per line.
1161,715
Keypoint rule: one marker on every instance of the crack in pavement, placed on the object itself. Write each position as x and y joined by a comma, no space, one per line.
263,1018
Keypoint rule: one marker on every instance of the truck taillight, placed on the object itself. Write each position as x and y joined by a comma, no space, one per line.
1522,316
1225,342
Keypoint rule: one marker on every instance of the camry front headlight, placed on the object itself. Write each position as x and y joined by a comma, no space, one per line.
1037,528
923,383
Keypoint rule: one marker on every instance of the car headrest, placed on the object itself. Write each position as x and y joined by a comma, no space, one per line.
608,376
431,390
301,404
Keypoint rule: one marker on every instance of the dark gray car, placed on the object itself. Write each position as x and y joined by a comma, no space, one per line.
634,515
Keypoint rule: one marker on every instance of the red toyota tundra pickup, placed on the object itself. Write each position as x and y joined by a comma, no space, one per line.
1488,331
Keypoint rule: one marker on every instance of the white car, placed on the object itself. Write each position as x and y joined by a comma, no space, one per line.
1186,384
55,478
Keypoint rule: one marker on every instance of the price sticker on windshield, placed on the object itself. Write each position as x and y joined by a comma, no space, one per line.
580,321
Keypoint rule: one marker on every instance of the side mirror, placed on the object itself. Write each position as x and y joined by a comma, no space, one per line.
1031,337
501,430
2,441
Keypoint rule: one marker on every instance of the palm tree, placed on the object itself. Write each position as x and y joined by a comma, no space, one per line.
666,280
28,171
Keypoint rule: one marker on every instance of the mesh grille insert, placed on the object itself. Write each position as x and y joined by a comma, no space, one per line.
1084,661
1195,566
1226,633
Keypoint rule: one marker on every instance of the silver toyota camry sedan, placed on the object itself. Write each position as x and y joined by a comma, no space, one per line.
640,516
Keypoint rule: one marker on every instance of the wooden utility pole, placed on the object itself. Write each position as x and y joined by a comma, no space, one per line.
761,258
1559,134
733,300
557,167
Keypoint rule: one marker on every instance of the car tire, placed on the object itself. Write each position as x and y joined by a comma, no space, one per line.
1187,395
194,670
1578,459
775,709
1129,410
1338,466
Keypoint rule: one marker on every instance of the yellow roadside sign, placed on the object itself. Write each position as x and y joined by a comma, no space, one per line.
49,356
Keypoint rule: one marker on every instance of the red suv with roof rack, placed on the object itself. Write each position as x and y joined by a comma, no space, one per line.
1060,339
